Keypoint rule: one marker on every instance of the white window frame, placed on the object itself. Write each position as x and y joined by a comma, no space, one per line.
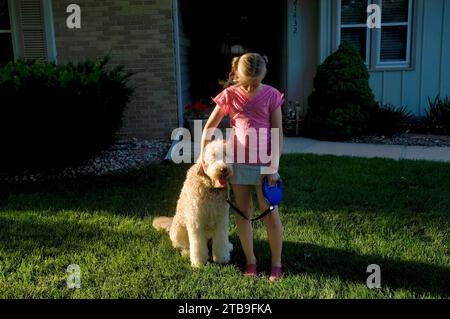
373,42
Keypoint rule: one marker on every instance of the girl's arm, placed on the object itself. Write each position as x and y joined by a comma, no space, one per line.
212,123
277,122
276,119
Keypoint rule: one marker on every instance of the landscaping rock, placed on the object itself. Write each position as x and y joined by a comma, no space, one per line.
122,156
407,139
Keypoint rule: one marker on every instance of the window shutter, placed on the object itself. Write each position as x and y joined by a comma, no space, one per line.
32,30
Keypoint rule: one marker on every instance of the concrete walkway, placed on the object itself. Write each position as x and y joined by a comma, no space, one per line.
300,145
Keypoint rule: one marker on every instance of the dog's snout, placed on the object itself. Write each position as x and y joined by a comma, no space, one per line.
223,170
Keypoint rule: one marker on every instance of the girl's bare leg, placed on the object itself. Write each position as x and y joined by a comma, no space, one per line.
243,197
274,228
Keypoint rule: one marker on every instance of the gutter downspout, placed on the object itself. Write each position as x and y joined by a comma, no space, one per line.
176,35
176,137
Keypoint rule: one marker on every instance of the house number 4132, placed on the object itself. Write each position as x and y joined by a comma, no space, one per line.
74,19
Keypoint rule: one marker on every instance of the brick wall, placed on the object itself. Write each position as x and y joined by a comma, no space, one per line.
139,35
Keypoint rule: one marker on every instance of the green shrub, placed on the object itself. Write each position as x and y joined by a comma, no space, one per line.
389,120
342,99
438,115
58,115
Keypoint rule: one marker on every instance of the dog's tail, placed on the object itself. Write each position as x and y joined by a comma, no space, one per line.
162,223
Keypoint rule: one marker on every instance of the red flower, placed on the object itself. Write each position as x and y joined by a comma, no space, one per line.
197,110
199,106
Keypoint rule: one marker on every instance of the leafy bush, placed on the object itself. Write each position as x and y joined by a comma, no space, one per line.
57,115
340,105
438,115
389,120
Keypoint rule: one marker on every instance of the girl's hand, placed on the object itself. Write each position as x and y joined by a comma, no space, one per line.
272,179
202,162
214,119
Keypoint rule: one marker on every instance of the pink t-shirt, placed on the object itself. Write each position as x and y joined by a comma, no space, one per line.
250,117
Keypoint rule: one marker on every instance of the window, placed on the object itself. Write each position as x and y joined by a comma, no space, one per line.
354,26
6,40
394,42
388,47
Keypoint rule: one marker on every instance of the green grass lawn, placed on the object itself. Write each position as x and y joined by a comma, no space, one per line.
340,215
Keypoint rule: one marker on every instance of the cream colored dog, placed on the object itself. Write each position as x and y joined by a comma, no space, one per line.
202,211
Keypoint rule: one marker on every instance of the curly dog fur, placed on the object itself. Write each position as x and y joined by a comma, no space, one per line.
202,211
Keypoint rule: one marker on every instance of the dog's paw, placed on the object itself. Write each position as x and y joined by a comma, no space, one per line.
197,264
185,253
221,259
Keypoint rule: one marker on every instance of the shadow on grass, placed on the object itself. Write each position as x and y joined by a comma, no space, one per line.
350,266
24,233
152,190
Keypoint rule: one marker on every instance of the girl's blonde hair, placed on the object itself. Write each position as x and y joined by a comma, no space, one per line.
235,63
252,69
232,75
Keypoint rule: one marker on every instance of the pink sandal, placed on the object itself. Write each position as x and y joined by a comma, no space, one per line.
250,271
276,274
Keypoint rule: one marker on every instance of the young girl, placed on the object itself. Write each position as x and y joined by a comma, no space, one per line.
252,106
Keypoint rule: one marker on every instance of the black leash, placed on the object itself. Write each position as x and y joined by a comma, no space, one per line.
264,214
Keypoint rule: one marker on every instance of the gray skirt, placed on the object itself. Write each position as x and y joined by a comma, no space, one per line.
246,175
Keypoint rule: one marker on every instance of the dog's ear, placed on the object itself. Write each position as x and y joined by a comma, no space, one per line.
200,170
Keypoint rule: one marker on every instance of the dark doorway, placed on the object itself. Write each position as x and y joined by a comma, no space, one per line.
217,31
